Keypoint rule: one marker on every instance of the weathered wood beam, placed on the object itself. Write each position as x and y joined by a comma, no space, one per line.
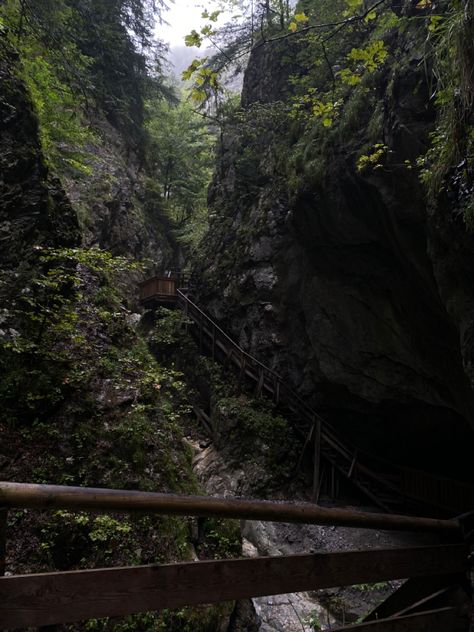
26,495
410,592
63,597
441,620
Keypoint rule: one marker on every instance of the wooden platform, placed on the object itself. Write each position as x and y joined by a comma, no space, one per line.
159,290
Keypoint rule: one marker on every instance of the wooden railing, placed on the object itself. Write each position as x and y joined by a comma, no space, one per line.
65,597
387,485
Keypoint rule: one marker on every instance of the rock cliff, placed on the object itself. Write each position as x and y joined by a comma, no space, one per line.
345,279
33,207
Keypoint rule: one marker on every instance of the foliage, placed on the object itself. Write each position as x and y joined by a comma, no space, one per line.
180,150
260,433
58,102
372,160
270,23
43,341
221,539
77,54
313,621
232,44
167,335
451,39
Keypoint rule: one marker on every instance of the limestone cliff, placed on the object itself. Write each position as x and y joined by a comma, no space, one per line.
33,207
345,280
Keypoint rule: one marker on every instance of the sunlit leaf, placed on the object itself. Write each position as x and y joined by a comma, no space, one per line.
193,39
301,17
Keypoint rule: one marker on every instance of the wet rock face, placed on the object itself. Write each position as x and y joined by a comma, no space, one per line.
113,207
118,209
350,287
266,78
33,207
296,611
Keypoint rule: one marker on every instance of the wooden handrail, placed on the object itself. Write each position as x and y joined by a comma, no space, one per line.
24,495
230,341
68,596
273,383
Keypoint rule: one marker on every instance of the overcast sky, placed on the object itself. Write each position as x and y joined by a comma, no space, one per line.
183,16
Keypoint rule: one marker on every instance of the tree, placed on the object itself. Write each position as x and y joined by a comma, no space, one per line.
180,149
315,26
105,51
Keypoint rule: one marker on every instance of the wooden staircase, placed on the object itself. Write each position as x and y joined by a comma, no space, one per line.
390,487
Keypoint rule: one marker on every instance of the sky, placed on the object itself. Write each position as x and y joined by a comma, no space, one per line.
183,16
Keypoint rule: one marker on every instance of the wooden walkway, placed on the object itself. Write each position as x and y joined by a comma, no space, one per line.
390,487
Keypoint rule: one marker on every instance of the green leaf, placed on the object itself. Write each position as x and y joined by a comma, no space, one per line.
211,16
191,69
348,77
434,23
301,17
353,5
193,39
198,95
207,31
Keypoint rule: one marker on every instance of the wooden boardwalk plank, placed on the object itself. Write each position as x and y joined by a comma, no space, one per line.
50,598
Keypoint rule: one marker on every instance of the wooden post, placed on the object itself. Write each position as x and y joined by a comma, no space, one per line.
186,310
228,356
200,333
305,445
317,458
3,539
353,464
242,369
261,379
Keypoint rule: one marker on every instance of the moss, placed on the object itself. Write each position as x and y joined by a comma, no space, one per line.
196,619
256,433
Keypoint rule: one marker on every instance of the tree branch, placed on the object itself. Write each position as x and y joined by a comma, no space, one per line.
311,27
328,63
